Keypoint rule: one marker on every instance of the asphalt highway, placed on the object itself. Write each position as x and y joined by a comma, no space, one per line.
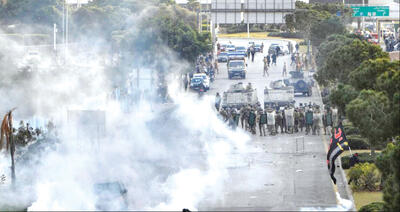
282,172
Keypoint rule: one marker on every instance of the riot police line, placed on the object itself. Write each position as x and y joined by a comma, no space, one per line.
307,118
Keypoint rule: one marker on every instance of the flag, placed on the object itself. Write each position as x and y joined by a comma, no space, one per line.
338,145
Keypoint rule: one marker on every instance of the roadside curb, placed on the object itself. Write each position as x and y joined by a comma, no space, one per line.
348,190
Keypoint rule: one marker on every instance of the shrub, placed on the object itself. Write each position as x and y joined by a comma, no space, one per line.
372,207
363,157
364,176
285,35
303,43
357,142
350,129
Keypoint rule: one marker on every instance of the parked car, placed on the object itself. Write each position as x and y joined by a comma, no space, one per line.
241,49
272,48
230,48
237,55
222,57
284,50
198,79
223,47
257,47
301,84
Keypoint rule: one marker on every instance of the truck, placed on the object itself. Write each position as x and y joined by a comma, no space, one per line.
301,84
278,95
238,96
237,68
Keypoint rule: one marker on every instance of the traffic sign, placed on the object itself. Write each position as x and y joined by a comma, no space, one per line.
370,11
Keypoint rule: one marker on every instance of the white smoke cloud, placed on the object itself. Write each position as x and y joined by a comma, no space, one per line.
168,156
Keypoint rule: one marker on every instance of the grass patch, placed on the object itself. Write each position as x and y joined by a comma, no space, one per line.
244,35
365,198
260,35
347,153
362,198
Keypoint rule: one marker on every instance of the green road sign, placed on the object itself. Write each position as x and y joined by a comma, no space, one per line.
370,11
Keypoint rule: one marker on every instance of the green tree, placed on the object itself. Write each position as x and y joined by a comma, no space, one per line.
389,83
330,44
342,95
171,26
389,164
345,59
99,22
370,113
307,15
44,12
193,5
324,28
365,76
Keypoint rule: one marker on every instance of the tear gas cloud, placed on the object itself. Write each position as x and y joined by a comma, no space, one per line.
168,156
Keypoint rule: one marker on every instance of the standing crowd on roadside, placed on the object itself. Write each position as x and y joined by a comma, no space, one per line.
310,119
391,43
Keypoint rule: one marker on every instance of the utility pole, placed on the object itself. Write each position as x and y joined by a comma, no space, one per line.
55,37
363,18
66,33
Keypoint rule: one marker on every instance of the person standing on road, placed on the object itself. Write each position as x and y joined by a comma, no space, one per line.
252,121
274,59
265,67
253,52
290,47
242,116
271,121
284,72
278,49
262,47
262,122
268,60
293,58
316,122
329,121
217,101
216,66
278,121
296,120
297,47
248,53
235,115
302,120
309,120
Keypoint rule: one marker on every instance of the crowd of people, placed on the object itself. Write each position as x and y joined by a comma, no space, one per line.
299,62
308,118
391,43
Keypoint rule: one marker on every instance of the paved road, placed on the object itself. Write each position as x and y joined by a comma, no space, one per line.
277,172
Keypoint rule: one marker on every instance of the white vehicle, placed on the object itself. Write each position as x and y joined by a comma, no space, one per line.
230,48
278,95
284,50
206,79
238,96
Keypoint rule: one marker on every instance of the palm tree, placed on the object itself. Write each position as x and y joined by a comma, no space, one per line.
7,133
